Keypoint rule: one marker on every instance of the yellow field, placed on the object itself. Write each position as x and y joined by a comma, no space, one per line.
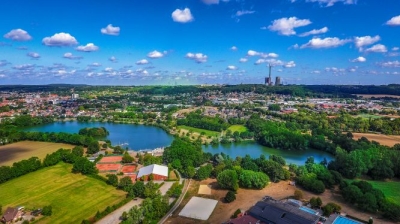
368,96
389,140
24,150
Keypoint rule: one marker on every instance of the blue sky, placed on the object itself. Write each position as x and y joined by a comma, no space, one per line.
147,42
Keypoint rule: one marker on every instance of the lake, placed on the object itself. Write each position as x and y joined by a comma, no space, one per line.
142,137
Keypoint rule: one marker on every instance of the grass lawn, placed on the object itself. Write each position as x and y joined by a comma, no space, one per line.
26,149
199,130
367,116
172,175
74,197
238,128
389,188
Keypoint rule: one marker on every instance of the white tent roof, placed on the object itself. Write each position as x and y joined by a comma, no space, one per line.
153,169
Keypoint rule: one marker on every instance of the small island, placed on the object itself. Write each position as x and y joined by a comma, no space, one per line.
96,132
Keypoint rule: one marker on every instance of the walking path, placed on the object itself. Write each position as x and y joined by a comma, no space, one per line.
114,217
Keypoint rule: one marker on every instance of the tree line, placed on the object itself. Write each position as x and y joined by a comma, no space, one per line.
196,120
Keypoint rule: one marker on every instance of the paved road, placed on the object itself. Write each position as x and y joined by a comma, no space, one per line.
186,187
114,217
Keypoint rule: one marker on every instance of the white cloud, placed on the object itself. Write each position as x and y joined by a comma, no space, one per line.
113,59
108,69
329,42
377,48
142,62
95,64
272,62
394,21
253,53
359,59
182,16
244,12
243,60
391,64
155,54
18,35
395,49
285,26
234,48
33,55
59,40
269,55
365,41
329,3
314,32
110,30
197,57
88,48
290,64
71,56
231,67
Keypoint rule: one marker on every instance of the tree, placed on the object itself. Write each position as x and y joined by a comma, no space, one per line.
235,215
298,194
204,172
228,179
126,158
251,179
84,166
330,208
112,179
230,196
191,171
93,147
315,202
125,183
47,210
78,151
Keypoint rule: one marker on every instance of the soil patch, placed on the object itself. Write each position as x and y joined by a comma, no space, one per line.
389,140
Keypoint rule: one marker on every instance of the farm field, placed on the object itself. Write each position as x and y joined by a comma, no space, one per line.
389,140
73,197
26,149
199,130
368,96
367,116
238,128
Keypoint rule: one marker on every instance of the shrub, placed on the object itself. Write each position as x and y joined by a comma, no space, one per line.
47,210
298,194
235,215
230,196
330,208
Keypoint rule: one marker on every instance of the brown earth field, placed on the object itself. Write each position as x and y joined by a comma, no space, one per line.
389,140
246,198
26,149
368,96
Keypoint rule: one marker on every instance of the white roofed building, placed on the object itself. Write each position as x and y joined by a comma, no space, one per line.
159,172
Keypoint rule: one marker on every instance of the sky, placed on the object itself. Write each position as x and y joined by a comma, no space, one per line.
181,42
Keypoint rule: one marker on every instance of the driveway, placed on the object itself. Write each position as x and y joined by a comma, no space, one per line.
166,186
114,217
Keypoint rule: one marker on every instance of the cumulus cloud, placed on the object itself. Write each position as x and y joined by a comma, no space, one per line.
155,54
395,49
231,67
329,3
359,59
113,59
69,55
365,41
244,12
329,42
253,53
33,55
394,21
243,60
286,26
110,30
314,32
377,48
18,35
272,62
290,64
142,62
59,40
391,64
182,16
234,48
90,47
269,55
95,64
197,57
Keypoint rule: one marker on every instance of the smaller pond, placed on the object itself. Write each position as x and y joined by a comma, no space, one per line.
255,150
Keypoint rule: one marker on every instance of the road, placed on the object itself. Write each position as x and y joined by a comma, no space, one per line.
186,187
114,217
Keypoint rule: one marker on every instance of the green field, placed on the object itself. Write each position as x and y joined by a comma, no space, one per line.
367,116
74,197
389,188
238,128
199,130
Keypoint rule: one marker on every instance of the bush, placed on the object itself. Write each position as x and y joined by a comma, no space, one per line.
330,208
315,202
235,215
298,194
47,210
230,196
